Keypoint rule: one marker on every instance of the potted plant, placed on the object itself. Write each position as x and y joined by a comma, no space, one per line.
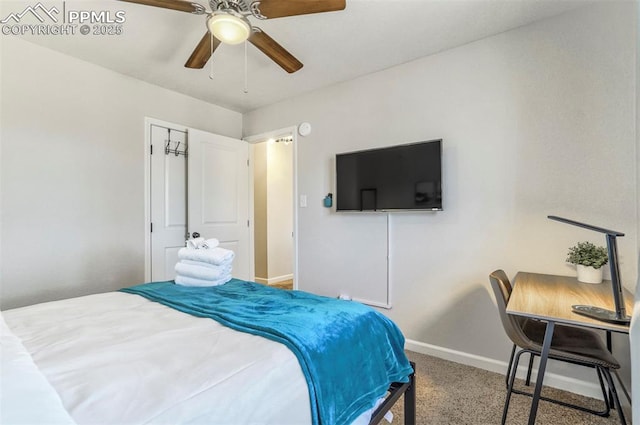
589,260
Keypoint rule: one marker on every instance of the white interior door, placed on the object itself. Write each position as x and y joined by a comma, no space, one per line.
218,194
168,200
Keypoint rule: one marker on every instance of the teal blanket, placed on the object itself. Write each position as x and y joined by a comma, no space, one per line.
349,353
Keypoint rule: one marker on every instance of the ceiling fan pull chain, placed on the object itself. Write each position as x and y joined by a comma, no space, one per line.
211,62
246,67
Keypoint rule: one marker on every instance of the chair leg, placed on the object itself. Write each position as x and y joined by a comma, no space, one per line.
528,381
605,393
624,390
512,372
512,378
506,376
616,400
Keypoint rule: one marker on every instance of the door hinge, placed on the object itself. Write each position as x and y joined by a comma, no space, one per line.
247,162
151,227
151,149
248,223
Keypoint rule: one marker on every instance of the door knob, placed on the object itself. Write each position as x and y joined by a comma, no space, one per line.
195,235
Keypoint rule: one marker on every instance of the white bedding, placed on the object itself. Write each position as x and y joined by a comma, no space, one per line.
166,367
22,385
118,358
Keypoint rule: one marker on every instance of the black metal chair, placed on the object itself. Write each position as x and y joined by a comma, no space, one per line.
569,344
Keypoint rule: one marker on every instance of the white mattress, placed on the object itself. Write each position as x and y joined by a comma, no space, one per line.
118,358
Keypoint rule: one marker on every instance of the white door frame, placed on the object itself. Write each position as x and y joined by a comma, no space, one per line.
148,122
262,137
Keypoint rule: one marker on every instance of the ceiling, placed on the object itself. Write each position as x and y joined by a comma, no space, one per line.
368,36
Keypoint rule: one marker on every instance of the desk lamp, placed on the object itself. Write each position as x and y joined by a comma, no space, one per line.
620,315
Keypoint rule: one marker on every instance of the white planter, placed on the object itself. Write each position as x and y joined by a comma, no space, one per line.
588,274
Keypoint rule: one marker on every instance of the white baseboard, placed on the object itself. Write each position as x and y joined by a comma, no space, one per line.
272,280
550,379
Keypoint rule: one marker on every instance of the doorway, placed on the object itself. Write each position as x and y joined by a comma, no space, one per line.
274,213
195,182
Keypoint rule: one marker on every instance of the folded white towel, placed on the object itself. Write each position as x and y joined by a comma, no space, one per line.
191,281
202,272
210,243
195,243
216,256
202,264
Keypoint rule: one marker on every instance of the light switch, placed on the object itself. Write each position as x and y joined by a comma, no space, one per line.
303,201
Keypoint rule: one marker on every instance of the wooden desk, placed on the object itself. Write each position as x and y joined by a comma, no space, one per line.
549,298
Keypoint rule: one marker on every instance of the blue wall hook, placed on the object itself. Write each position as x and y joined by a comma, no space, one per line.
328,200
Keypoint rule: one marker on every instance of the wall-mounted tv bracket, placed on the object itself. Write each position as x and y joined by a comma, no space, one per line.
620,314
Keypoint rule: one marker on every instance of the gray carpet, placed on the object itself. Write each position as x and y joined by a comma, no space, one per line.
451,393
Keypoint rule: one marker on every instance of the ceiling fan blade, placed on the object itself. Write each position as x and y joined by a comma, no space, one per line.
202,52
280,8
276,52
181,5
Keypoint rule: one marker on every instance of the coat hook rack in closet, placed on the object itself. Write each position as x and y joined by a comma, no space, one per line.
176,150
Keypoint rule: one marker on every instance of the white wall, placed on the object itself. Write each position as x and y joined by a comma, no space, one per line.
536,121
260,210
72,172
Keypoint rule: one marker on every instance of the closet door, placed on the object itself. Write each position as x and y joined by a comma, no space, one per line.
168,190
218,194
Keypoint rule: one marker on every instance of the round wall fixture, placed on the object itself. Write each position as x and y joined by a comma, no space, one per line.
304,129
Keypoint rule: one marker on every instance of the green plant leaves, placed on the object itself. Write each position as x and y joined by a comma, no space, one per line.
587,254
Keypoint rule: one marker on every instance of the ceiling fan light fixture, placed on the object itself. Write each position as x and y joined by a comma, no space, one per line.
228,27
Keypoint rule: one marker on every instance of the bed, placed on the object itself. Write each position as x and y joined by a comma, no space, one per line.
152,354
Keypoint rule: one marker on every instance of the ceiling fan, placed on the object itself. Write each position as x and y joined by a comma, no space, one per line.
228,23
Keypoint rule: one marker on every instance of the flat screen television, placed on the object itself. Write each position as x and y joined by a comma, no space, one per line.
397,178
